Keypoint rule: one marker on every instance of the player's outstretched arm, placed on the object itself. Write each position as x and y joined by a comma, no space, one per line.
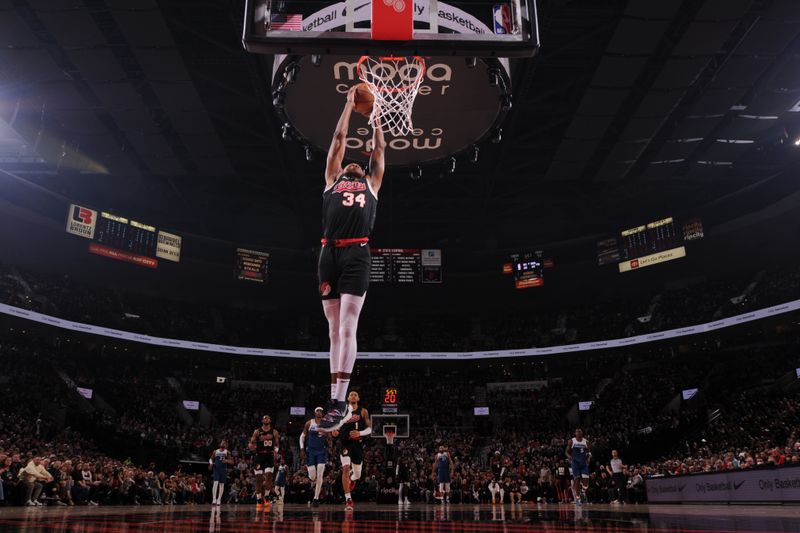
376,162
333,169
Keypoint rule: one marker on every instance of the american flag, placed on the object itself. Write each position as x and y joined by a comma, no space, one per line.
291,22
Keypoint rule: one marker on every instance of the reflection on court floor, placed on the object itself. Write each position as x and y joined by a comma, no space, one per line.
370,518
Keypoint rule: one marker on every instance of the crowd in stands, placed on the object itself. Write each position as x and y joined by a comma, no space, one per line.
134,442
655,310
517,452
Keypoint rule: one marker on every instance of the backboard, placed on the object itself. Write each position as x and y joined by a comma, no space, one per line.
474,28
401,423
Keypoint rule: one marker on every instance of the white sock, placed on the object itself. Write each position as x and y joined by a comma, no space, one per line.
347,496
214,492
334,389
341,389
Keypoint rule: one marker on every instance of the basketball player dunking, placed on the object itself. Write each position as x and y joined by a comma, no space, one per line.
265,443
349,204
350,430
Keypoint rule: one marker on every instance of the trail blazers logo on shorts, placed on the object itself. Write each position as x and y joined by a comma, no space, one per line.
349,186
81,221
325,288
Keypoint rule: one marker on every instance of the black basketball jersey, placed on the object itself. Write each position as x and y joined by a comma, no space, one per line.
265,442
354,423
348,209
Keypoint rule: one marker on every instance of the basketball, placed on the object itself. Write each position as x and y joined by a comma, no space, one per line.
363,99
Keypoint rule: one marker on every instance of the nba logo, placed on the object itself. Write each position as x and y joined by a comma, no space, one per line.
502,19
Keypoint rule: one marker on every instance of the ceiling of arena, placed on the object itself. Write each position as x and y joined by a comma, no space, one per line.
633,109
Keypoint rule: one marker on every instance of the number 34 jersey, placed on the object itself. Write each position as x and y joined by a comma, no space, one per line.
348,209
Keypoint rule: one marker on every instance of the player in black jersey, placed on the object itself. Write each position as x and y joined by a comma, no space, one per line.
349,204
350,430
265,443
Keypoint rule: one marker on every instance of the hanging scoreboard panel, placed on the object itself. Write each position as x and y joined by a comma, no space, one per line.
649,244
123,239
251,265
390,400
405,265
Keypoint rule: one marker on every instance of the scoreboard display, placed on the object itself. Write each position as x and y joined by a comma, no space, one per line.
251,265
649,239
123,239
649,244
528,269
390,400
405,265
127,235
528,273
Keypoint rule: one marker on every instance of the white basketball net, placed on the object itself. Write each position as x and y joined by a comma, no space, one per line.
394,82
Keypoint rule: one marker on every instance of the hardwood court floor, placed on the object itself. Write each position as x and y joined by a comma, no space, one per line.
419,518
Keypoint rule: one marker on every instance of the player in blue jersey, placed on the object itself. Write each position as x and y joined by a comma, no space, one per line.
314,450
218,464
280,482
441,469
579,455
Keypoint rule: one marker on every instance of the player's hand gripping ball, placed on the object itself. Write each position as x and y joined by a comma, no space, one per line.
363,99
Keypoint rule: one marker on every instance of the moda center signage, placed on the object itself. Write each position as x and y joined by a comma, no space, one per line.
456,106
773,485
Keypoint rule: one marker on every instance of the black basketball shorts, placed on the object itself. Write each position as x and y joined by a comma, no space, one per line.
264,463
343,270
351,452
